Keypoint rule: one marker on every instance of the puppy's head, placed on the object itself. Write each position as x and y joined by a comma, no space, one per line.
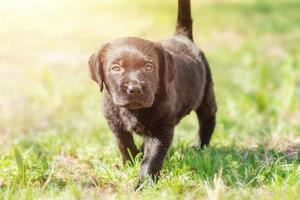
133,70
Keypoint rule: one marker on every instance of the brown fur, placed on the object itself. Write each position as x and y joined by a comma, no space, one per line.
152,101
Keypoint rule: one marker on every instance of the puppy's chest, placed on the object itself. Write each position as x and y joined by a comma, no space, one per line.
134,123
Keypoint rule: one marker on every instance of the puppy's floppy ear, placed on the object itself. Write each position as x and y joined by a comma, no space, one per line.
169,69
96,68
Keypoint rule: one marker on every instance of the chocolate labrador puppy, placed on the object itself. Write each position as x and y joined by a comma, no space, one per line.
150,86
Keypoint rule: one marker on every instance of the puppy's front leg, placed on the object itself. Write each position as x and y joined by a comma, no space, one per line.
125,142
155,150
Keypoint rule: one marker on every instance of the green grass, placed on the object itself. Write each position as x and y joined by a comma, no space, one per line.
55,143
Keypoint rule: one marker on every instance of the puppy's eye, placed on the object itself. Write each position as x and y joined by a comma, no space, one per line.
116,68
148,67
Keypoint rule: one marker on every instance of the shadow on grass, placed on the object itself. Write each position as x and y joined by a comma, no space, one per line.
237,166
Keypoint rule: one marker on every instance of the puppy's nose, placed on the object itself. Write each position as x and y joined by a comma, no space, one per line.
133,89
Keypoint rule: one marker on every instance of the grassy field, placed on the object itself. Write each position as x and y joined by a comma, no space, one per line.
55,143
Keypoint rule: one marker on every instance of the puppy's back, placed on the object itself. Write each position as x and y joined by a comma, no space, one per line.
190,78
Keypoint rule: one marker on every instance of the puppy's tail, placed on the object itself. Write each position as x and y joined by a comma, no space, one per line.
184,19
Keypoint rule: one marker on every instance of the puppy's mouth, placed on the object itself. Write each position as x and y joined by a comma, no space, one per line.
133,104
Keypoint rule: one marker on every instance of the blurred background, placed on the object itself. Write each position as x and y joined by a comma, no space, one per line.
47,98
252,47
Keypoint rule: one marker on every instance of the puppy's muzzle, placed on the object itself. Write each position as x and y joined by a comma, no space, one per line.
134,95
134,88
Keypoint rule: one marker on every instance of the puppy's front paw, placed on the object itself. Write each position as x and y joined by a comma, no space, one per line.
143,182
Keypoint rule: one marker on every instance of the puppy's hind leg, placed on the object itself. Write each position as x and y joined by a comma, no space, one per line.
207,122
206,114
